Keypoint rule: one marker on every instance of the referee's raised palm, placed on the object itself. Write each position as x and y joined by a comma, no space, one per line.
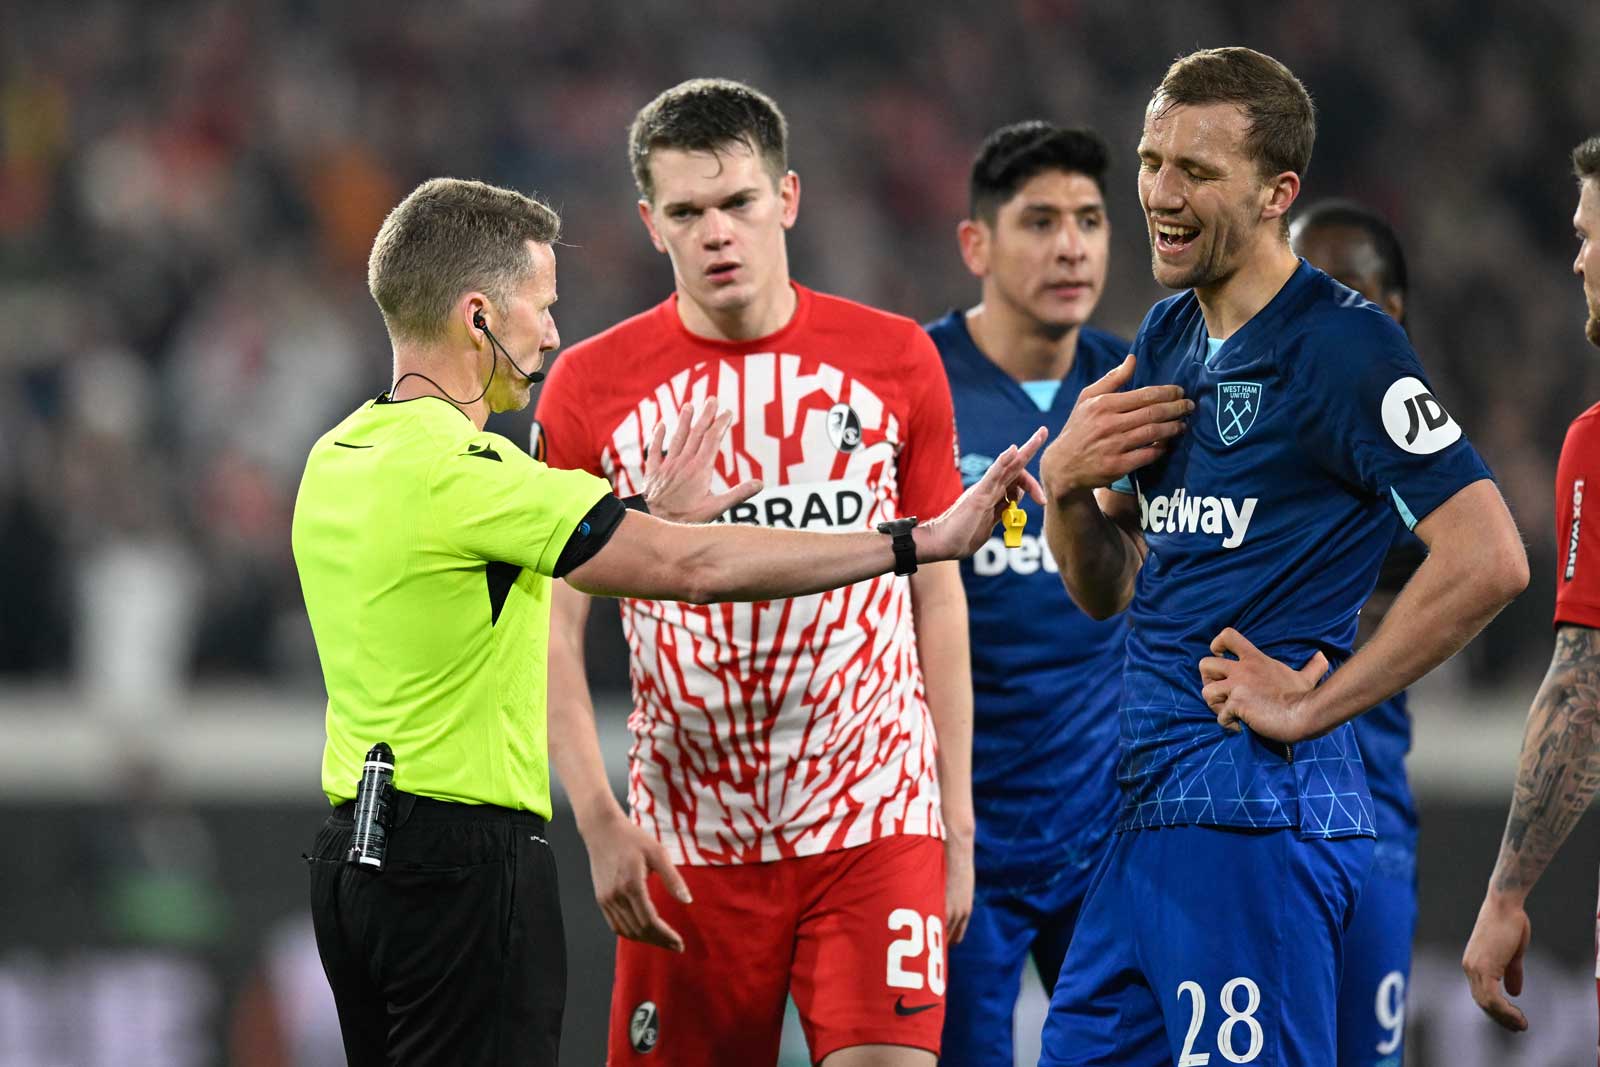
964,528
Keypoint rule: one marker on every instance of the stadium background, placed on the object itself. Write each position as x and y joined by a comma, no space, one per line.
187,194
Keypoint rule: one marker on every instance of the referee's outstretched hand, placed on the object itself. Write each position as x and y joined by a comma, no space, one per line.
677,478
621,857
967,524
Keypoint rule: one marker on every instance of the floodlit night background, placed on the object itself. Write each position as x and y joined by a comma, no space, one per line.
188,192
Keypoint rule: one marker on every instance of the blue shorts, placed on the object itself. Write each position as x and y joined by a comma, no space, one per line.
985,968
1377,961
1206,941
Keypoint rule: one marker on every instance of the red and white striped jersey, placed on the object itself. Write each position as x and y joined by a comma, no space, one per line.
790,727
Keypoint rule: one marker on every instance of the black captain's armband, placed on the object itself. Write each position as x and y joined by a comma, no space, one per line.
591,534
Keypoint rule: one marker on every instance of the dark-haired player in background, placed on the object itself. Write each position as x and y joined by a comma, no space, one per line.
1358,248
1045,676
1214,928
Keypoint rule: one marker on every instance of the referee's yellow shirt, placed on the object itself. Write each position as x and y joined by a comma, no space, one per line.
424,547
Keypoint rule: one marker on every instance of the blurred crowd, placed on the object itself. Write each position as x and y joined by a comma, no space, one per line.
188,190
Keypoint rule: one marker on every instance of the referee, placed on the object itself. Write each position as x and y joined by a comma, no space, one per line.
426,548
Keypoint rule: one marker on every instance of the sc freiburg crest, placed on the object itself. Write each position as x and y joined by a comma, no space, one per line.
644,1027
1237,404
844,428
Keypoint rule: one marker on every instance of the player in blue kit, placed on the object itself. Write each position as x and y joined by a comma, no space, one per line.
1270,424
1045,677
1358,248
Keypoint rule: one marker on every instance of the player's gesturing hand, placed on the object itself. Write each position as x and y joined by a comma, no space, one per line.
621,857
963,529
1111,433
1494,954
1257,690
677,480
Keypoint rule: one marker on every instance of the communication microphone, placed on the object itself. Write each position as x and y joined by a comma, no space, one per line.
477,320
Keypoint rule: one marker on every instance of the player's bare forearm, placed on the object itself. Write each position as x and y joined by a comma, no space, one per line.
1089,536
1559,769
574,741
939,607
939,604
1475,567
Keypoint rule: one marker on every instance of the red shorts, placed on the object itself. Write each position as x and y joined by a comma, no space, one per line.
856,936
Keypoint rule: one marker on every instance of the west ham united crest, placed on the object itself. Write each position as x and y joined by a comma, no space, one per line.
1237,404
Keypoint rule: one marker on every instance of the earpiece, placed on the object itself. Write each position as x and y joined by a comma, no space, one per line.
477,321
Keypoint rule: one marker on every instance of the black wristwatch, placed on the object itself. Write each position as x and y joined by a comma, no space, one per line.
636,503
905,549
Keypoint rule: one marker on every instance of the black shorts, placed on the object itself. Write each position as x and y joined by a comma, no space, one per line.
454,953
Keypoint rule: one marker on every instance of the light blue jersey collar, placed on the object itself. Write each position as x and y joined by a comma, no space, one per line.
1043,394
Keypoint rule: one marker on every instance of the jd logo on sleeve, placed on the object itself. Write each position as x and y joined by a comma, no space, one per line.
1415,420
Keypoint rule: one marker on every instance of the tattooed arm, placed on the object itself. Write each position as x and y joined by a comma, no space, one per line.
1557,774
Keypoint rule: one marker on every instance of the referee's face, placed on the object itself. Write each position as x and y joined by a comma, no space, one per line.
527,330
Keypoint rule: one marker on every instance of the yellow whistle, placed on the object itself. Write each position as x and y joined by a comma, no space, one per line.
1014,519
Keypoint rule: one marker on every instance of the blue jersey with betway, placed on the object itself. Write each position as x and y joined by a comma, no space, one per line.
1046,679
1314,426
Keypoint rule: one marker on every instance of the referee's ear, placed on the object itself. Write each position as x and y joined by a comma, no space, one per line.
474,313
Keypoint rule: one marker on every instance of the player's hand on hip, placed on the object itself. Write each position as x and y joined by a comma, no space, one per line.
621,857
677,478
963,529
1111,433
1257,690
960,877
1494,955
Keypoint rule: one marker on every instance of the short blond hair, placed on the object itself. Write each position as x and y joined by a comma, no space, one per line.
451,236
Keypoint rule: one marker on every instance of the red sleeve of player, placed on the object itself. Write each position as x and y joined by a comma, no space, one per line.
560,435
930,479
1577,533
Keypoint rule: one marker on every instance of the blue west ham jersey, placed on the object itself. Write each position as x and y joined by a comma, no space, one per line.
1046,678
1314,426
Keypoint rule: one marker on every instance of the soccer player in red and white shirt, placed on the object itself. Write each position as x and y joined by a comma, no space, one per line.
1559,768
799,777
